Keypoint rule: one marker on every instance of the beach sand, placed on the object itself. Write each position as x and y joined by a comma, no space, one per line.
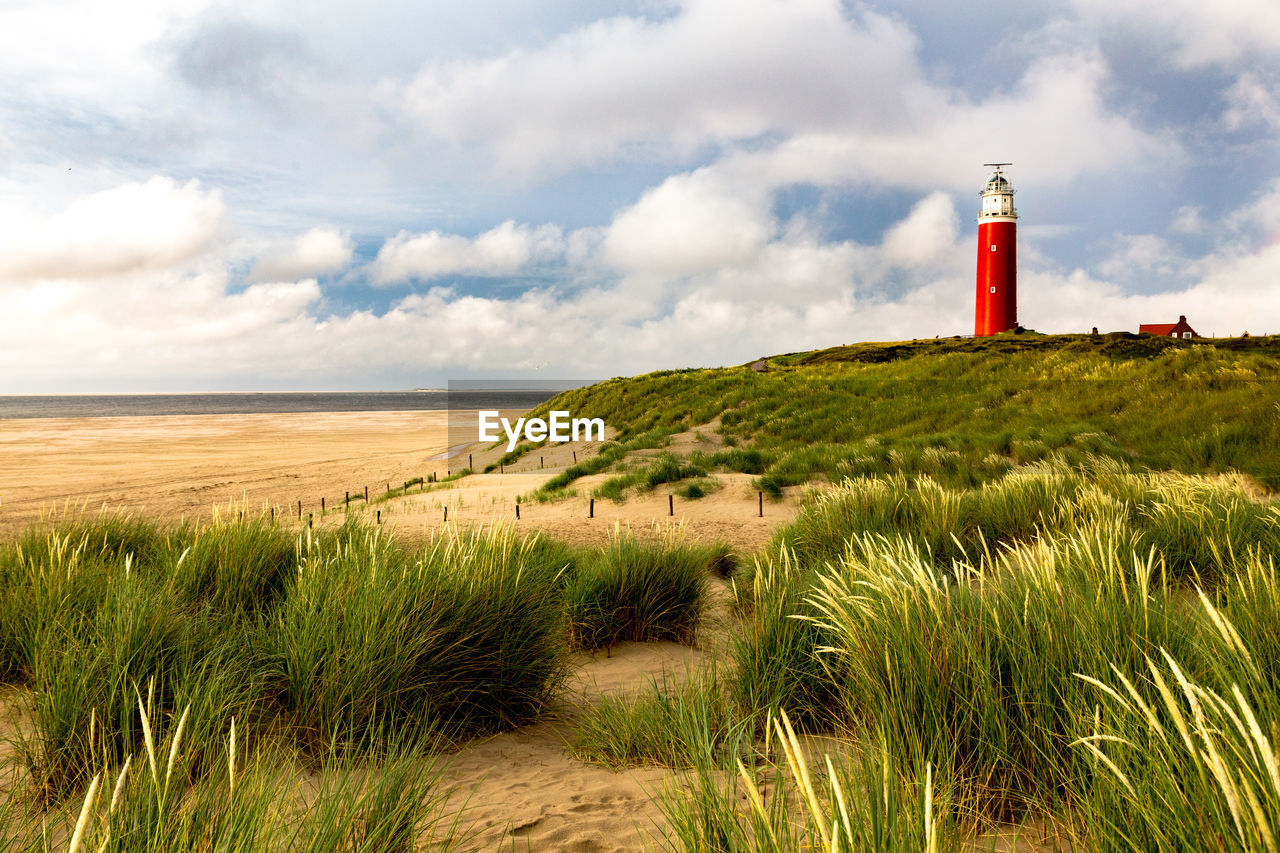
185,466
178,466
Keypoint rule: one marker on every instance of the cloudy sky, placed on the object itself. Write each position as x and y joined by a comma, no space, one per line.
327,195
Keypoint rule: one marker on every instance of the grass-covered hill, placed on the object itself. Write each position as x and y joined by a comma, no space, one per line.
961,410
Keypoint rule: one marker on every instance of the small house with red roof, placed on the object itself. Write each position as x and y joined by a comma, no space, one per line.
1180,329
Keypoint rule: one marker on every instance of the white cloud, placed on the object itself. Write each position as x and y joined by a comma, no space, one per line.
1199,33
1142,256
135,226
1188,219
714,71
318,251
929,230
1251,102
155,327
1054,126
84,52
1232,289
1240,296
503,250
688,224
193,327
816,95
1259,218
748,100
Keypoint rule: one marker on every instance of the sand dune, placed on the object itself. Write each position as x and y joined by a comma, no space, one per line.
521,790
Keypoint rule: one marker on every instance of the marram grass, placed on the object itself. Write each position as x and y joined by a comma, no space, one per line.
464,635
639,589
251,801
964,625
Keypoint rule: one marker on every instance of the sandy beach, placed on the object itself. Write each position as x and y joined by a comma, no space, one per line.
186,466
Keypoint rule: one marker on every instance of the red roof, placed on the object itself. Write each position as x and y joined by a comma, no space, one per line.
1170,328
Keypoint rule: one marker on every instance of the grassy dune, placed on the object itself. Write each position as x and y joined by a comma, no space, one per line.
1079,646
961,411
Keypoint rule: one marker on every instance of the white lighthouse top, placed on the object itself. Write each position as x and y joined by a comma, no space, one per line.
997,197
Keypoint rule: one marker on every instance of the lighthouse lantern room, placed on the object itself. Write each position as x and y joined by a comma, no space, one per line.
997,298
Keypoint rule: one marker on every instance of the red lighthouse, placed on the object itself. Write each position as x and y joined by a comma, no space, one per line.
997,303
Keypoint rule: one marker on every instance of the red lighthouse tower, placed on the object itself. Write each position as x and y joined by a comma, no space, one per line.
997,303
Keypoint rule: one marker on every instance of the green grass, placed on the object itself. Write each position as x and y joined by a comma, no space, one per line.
235,567
666,468
88,674
1077,646
639,590
957,623
413,486
1191,764
773,653
964,411
333,640
462,636
255,800
781,799
698,489
666,724
337,642
608,455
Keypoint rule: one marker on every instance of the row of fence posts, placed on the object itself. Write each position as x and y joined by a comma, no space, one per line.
502,468
346,498
431,478
591,506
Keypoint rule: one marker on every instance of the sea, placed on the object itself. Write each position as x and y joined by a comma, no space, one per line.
145,405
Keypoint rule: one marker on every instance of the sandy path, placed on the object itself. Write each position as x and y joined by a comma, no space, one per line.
731,514
522,791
